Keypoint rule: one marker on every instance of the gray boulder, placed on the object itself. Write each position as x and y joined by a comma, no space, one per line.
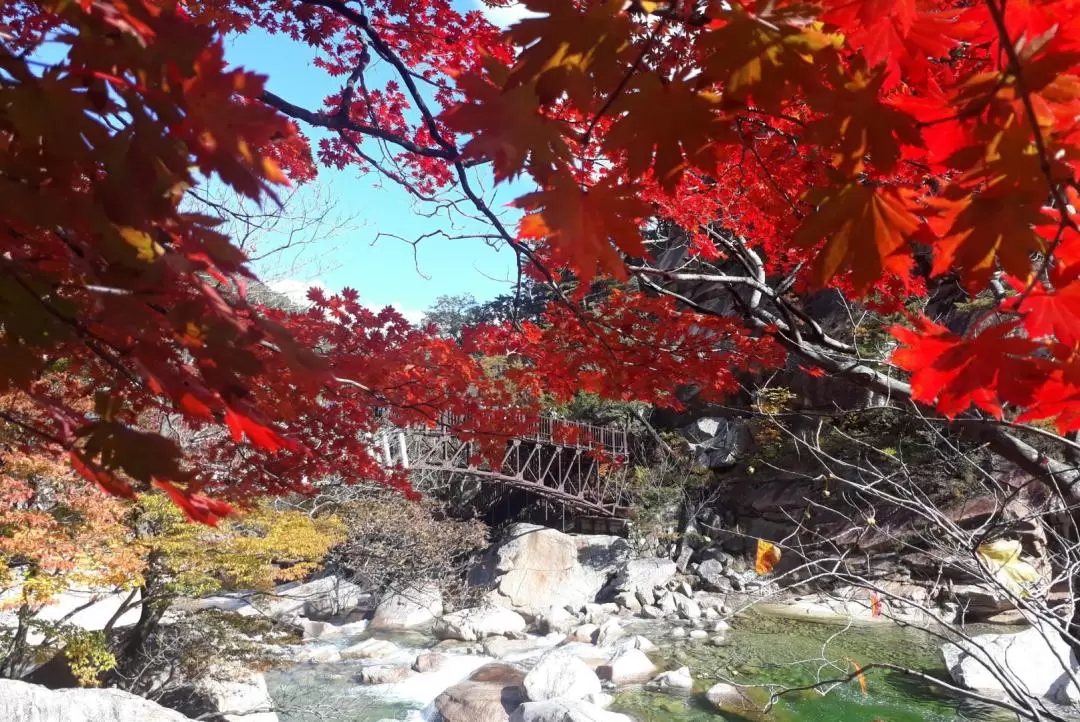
644,575
318,599
369,649
687,607
718,443
561,675
538,568
1034,660
713,576
22,702
556,619
408,608
318,654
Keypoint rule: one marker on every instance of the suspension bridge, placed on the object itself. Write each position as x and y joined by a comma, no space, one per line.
580,466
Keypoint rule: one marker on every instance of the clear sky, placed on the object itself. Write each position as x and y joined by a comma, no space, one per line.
384,272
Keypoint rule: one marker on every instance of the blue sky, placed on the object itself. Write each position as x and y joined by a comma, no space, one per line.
384,272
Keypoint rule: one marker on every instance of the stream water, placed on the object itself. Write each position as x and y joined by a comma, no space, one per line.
761,650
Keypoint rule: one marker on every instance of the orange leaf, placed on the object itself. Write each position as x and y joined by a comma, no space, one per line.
865,227
858,674
584,223
768,554
875,605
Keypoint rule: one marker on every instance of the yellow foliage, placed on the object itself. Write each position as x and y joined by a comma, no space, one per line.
88,656
1002,556
254,550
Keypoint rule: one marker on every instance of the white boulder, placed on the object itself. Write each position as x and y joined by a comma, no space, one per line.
472,625
671,681
1035,660
370,649
628,666
408,608
24,702
561,675
644,575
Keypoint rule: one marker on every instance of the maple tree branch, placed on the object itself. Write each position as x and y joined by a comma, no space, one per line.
360,20
623,82
339,123
1065,478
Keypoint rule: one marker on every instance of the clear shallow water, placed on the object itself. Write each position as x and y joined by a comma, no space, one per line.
790,653
761,650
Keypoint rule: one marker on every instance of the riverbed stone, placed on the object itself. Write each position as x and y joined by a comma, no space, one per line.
599,613
556,619
318,654
490,694
651,612
384,674
678,680
609,631
370,649
559,674
627,667
698,634
565,710
667,605
585,633
628,600
409,608
475,624
714,576
686,607
430,662
1032,657
228,692
33,703
644,574
737,702
635,641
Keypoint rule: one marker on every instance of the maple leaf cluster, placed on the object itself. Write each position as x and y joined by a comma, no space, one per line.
846,138
849,140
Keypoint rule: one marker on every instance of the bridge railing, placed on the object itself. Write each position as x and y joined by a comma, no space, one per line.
549,430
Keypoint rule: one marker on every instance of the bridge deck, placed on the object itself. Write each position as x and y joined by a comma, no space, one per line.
578,465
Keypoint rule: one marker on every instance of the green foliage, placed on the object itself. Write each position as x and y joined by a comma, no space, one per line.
592,408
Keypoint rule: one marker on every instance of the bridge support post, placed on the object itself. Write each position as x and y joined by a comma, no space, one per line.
404,450
387,458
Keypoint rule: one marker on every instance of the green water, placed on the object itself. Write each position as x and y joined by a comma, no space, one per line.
761,650
787,653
